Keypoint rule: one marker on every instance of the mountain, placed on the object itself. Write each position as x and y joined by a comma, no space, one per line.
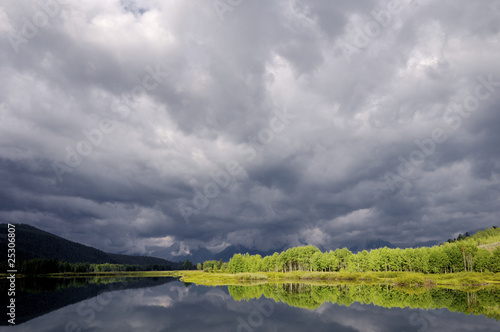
32,242
425,244
179,252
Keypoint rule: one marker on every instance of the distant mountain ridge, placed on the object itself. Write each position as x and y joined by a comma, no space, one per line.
32,242
371,244
175,253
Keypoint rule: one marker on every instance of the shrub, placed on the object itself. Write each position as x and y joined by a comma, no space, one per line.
327,276
369,276
470,280
348,277
308,276
390,274
252,276
410,280
430,282
274,275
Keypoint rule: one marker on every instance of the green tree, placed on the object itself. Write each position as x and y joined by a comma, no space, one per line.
210,265
469,251
375,260
385,255
363,261
342,257
454,257
353,263
422,259
482,261
408,259
274,262
253,263
495,261
438,260
219,264
187,265
319,261
332,261
266,265
236,264
282,262
396,259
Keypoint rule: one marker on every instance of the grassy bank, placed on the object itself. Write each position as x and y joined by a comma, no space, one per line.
395,278
450,280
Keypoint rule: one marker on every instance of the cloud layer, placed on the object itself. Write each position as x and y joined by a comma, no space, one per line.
128,124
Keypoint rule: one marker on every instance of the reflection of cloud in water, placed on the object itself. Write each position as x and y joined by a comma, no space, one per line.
218,293
161,301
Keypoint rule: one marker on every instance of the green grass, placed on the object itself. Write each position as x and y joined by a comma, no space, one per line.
402,279
490,246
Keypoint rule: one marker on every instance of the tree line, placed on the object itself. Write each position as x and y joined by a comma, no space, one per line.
450,257
485,236
44,266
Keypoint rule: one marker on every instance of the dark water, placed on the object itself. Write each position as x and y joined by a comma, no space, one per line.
166,304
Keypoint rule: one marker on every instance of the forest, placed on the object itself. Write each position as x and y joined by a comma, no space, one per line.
466,253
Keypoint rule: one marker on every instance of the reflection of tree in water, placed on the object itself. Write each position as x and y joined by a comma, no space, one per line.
481,302
38,296
42,285
471,299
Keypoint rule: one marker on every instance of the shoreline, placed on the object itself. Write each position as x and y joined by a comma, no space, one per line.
412,279
403,279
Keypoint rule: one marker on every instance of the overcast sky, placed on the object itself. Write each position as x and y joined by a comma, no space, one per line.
262,123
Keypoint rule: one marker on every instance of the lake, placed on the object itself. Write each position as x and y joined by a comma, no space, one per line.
166,304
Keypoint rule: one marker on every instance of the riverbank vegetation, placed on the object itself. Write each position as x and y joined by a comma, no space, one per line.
413,279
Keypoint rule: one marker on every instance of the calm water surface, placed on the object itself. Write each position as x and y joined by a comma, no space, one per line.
166,304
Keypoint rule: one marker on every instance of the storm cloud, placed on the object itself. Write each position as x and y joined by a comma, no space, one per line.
261,123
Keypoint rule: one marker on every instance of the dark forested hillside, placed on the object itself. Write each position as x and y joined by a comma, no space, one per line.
32,243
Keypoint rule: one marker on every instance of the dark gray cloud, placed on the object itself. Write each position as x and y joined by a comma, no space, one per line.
131,124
